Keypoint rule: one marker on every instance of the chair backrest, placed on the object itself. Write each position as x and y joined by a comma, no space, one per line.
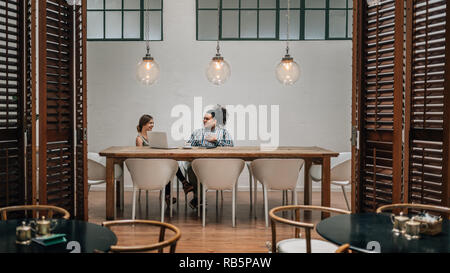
97,167
50,211
218,173
442,210
277,174
151,174
296,223
341,171
96,171
160,245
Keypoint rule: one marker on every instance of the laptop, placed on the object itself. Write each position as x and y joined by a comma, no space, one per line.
158,140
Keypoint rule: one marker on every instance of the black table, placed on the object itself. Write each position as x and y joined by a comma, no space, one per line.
89,237
362,229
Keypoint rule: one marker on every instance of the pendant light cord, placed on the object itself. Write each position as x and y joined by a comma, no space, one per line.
147,33
288,25
218,28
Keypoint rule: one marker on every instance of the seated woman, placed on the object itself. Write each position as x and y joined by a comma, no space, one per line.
146,124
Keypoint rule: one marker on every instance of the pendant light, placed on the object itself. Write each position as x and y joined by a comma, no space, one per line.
218,70
148,69
287,71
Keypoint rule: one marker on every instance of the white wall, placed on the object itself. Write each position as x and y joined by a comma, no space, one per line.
316,111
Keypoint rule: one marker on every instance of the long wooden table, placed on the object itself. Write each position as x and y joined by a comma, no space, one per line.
117,155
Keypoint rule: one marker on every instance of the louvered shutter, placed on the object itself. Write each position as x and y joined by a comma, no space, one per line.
427,102
56,119
12,93
378,85
80,112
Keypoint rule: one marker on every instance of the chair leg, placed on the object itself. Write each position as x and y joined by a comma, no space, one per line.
345,197
255,192
139,198
250,188
199,190
283,202
133,212
266,205
122,193
294,197
178,191
163,201
204,207
170,197
233,212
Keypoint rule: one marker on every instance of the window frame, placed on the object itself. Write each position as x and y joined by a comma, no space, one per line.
123,10
277,9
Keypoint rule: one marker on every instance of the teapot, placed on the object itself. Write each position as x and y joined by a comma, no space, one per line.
43,226
23,234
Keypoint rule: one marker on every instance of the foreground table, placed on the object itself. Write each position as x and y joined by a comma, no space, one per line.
370,229
117,155
88,236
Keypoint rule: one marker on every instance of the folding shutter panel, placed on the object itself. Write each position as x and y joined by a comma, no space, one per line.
427,102
12,141
56,96
380,92
80,112
30,101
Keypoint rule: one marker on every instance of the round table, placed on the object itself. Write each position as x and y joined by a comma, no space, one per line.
371,232
88,236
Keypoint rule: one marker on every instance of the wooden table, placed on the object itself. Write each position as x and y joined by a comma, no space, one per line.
117,155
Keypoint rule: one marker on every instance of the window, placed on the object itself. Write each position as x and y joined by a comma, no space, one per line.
267,19
123,20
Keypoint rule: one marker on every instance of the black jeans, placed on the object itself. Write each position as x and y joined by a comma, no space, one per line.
179,176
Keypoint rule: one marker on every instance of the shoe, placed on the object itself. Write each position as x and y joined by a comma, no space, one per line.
193,203
187,187
174,200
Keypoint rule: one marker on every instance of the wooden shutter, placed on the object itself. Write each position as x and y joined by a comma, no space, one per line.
427,102
30,101
62,106
80,112
378,85
56,97
12,93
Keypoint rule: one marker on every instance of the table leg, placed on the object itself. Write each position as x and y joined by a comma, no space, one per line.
326,185
307,183
110,208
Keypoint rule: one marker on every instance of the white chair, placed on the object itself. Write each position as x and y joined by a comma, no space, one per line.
277,174
340,174
97,173
152,174
218,174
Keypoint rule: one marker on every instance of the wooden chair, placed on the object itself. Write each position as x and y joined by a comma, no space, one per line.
162,243
445,211
297,245
344,249
35,208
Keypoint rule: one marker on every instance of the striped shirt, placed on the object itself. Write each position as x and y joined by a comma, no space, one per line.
198,138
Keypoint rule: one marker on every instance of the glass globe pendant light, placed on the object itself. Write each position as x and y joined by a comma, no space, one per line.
218,70
287,71
148,69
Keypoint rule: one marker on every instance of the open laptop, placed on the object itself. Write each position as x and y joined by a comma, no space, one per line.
158,140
